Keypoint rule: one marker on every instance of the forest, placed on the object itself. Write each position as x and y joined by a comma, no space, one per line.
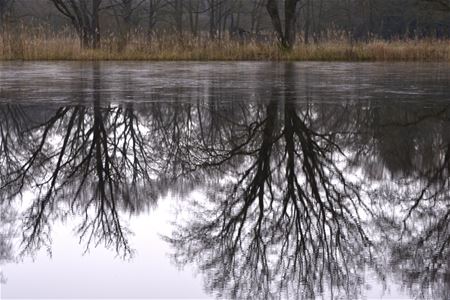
225,29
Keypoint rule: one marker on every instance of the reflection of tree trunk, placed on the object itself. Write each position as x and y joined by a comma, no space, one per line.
264,159
97,129
288,205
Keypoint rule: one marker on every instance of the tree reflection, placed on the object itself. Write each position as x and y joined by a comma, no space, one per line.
7,233
419,235
92,157
288,218
300,197
286,221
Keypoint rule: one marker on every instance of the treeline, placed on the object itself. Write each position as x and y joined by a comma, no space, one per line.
289,19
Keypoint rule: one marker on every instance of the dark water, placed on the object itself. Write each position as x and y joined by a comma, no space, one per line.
234,180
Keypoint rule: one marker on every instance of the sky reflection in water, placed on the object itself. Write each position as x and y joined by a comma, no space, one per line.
287,180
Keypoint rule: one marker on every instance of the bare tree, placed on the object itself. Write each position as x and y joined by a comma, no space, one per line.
124,11
256,15
5,6
153,9
85,18
439,4
286,32
193,8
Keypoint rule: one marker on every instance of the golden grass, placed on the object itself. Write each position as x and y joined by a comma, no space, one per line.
43,45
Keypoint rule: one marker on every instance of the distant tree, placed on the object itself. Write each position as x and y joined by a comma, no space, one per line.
84,16
5,6
213,8
123,12
286,33
152,9
256,13
439,4
193,7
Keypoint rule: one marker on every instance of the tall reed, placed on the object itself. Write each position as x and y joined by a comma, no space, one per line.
40,43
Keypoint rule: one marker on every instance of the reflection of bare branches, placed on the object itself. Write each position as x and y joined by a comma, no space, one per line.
92,157
7,216
289,222
283,216
421,248
419,239
13,120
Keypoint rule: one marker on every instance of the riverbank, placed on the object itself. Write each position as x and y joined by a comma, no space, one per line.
167,48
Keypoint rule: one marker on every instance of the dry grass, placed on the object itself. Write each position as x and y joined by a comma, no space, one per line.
40,44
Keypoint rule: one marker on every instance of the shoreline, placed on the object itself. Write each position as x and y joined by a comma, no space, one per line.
225,60
204,50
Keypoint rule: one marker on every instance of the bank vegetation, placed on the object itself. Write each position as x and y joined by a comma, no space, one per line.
41,44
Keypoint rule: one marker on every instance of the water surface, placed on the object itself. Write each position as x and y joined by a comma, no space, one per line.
234,180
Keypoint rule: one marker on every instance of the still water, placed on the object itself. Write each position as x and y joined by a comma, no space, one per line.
228,180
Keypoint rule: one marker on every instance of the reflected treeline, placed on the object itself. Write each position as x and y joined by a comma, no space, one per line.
300,197
94,158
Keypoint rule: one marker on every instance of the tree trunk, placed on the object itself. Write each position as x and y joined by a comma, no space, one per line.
151,17
286,35
307,21
290,19
2,22
124,19
212,18
5,7
85,39
95,27
193,17
84,16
